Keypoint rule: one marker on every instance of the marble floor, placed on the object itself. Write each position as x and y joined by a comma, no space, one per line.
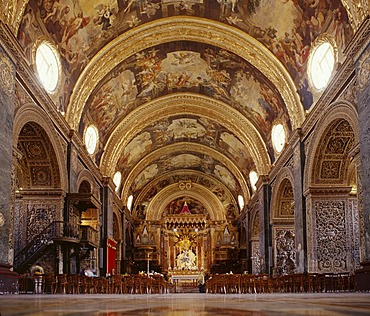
322,304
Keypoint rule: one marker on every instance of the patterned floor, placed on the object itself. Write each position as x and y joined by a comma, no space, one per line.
323,304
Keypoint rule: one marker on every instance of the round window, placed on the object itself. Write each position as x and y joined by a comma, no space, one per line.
47,66
278,137
322,65
91,139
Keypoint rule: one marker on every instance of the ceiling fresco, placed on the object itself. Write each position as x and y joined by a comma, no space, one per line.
179,129
81,28
209,70
193,140
186,178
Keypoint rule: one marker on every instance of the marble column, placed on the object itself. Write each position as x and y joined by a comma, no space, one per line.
8,282
363,79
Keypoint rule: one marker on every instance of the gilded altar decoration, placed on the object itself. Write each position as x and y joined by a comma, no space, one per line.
186,258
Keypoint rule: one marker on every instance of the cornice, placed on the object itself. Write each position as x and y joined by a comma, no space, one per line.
329,191
27,79
360,41
187,29
185,103
85,158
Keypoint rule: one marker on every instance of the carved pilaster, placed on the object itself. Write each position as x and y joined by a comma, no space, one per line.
7,86
363,77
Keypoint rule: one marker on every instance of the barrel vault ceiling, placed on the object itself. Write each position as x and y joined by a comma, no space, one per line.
184,93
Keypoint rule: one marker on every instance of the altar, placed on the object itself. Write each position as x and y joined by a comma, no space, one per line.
185,278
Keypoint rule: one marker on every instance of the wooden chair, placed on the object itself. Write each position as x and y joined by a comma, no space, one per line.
60,284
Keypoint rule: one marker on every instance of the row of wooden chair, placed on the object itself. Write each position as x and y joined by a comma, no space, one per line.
292,283
80,284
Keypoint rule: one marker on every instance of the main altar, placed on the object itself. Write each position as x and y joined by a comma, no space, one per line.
183,244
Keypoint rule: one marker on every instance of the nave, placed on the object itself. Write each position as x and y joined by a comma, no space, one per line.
317,304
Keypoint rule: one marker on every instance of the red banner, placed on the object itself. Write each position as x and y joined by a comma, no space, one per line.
111,255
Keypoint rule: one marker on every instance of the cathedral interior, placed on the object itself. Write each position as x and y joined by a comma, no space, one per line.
185,137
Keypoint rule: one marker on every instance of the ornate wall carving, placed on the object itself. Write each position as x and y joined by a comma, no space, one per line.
331,230
285,253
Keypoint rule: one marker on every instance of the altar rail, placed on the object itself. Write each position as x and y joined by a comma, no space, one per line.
293,283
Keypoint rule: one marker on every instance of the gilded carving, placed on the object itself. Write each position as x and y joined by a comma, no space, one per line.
7,80
363,75
2,219
285,251
212,33
331,235
330,169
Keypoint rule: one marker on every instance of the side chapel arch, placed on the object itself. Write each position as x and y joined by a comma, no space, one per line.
29,113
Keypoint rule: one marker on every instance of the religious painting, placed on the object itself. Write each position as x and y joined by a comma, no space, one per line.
80,28
191,205
207,70
191,161
185,128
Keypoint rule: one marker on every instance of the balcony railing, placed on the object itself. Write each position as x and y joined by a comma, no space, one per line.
57,230
89,235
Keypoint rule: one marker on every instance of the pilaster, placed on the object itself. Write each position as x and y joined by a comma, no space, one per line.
8,281
363,78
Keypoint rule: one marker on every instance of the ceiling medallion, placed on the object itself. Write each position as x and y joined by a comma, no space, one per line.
6,75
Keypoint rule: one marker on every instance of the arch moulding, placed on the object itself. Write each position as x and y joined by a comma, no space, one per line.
285,174
188,29
186,103
30,113
340,110
206,197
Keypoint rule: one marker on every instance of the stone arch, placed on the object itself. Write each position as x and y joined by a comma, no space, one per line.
337,113
30,113
282,201
332,216
213,205
86,176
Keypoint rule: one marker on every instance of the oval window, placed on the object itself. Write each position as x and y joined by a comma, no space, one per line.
91,139
278,137
241,202
129,202
117,179
253,178
47,66
322,65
